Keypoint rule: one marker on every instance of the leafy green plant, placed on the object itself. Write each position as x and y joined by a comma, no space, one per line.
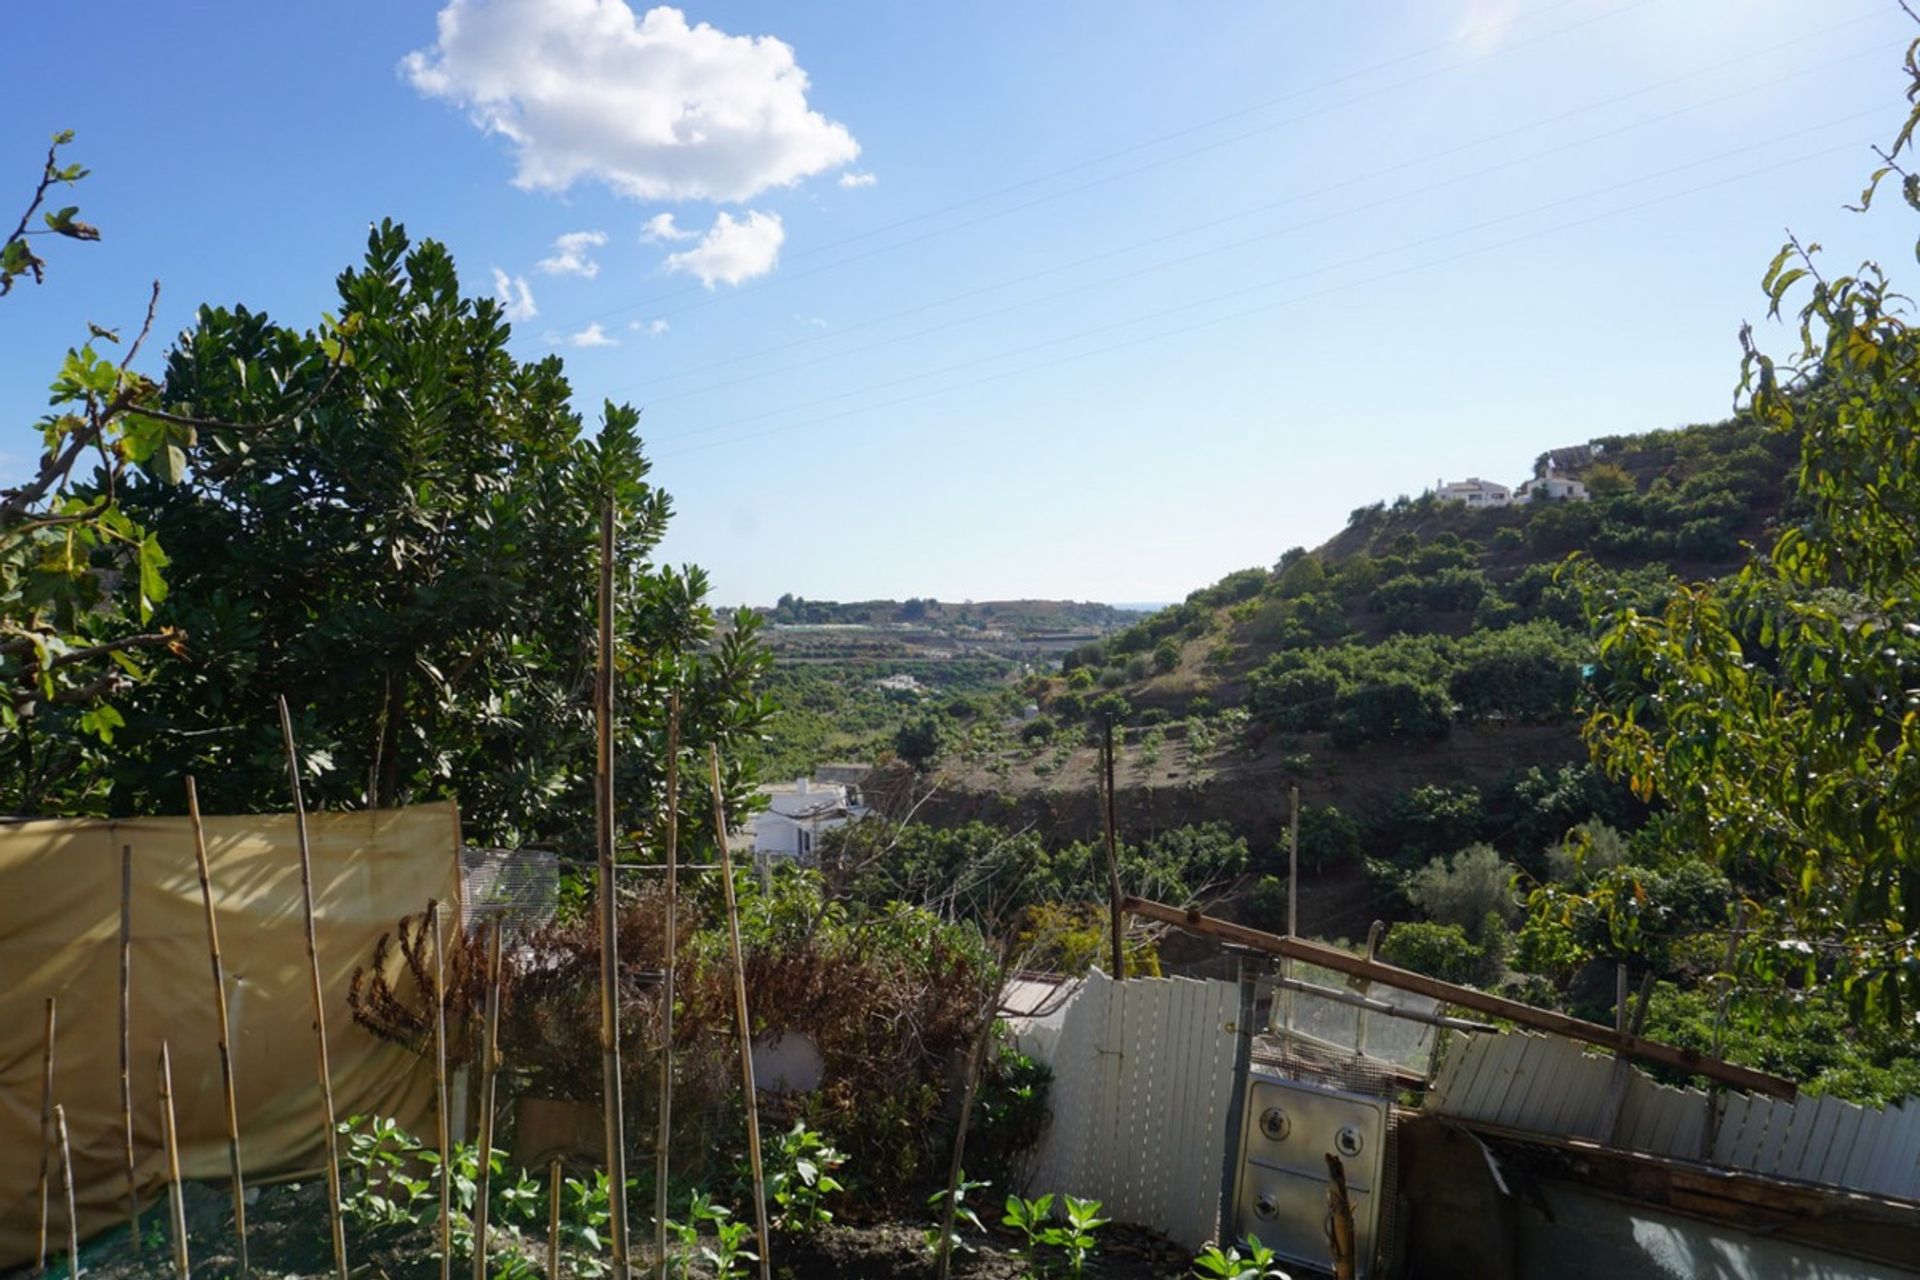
1073,1239
701,1210
380,1189
1257,1263
728,1255
962,1212
802,1178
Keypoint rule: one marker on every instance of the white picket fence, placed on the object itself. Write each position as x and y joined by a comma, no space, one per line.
1142,1083
1549,1085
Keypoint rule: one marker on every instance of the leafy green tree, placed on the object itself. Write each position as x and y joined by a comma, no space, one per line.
412,560
918,742
1776,713
81,579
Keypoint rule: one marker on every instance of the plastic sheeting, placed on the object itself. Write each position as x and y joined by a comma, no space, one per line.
60,937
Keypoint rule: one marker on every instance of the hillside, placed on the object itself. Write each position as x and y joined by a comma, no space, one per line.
1417,676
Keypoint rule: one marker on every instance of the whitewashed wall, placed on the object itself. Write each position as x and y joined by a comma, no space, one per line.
1142,1079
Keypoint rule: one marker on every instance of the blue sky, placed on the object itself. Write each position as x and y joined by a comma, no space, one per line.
1099,300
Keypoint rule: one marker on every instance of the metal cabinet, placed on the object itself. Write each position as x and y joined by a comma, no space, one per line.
1289,1129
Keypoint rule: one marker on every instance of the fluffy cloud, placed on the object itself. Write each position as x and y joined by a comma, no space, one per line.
661,228
853,179
570,255
653,107
652,328
732,251
591,336
516,300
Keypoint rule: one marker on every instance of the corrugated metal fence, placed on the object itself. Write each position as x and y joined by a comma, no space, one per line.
1142,1078
1549,1085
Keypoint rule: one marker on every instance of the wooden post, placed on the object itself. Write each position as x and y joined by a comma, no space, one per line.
752,1100
46,1140
1691,1061
225,1041
1293,862
489,1055
553,1220
66,1185
609,914
1339,1219
665,1130
126,1037
339,1225
440,1092
175,1195
1115,923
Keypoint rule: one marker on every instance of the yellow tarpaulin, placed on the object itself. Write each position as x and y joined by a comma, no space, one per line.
60,937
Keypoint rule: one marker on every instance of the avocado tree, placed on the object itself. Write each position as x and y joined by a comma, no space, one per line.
1777,714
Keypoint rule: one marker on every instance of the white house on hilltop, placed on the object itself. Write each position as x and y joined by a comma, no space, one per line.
797,812
1474,492
1552,488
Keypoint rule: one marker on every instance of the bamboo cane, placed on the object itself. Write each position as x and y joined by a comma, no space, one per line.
609,915
175,1194
553,1220
66,1185
46,1142
661,1153
752,1103
126,1037
226,1031
1339,1220
489,1053
1114,921
339,1225
440,1092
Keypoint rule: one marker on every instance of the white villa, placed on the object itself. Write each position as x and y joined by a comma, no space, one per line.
1474,492
1549,487
797,812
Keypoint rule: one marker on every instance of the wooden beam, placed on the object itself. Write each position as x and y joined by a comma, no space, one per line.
1689,1060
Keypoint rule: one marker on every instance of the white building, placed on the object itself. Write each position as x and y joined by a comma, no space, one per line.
1549,487
1474,492
899,684
797,812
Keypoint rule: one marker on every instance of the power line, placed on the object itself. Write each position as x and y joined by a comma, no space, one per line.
1244,242
1265,307
786,276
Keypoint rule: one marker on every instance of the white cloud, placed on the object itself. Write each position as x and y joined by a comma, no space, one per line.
591,336
516,300
731,252
652,328
661,228
853,179
653,107
570,255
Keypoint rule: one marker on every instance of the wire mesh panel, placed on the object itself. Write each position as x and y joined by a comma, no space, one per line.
520,888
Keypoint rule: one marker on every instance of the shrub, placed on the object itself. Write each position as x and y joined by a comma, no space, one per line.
1139,667
1267,905
1398,707
1166,656
1070,707
1508,538
1328,839
1440,951
1465,889
1038,729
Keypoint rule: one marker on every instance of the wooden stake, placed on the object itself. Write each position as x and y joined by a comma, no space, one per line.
440,1092
1113,861
126,1037
66,1185
665,1131
752,1103
46,1141
1339,1219
609,915
1293,862
553,1220
489,1061
171,1137
1691,1061
319,996
225,1041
